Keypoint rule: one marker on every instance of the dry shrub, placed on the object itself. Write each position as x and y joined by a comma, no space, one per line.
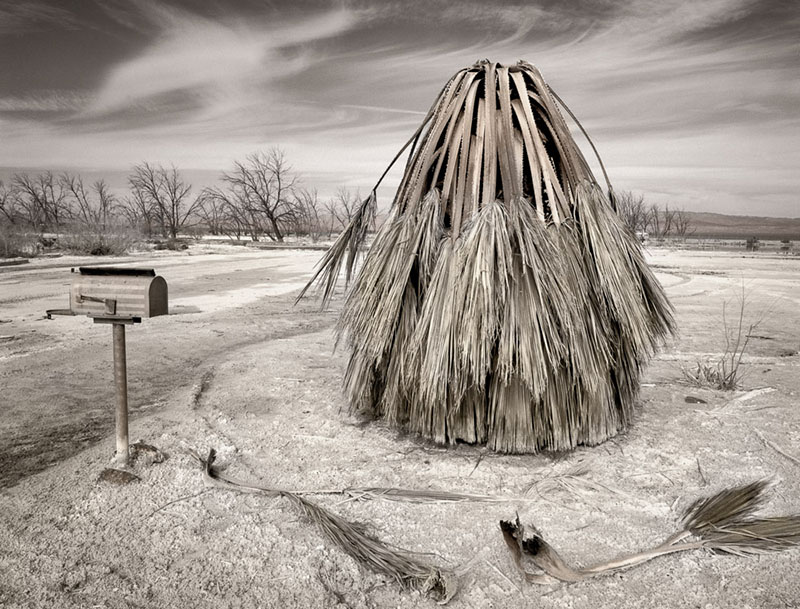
726,372
174,245
17,244
97,242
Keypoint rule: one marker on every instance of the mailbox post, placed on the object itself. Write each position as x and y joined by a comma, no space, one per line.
118,296
121,381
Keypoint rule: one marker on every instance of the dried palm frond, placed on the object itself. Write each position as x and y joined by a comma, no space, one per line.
726,507
407,568
346,246
388,493
755,536
424,495
503,301
722,523
512,532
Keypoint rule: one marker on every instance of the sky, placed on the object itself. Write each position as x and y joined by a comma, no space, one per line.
695,104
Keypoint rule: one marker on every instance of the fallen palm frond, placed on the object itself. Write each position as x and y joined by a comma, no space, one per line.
575,480
407,568
503,301
726,507
723,523
423,496
358,493
403,566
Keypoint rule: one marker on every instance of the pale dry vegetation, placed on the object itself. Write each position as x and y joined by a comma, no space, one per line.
726,371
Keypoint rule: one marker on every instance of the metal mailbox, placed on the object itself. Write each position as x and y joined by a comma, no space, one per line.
107,291
117,296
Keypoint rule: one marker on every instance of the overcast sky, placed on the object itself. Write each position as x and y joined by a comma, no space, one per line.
695,103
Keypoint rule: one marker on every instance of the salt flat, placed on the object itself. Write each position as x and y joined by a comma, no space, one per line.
237,367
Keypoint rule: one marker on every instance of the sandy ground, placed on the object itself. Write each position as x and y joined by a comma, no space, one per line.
236,367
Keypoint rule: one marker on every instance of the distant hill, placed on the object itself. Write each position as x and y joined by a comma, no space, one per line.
722,226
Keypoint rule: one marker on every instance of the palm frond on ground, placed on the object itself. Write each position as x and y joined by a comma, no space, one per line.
724,522
407,568
503,301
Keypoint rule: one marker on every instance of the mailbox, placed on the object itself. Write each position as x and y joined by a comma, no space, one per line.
119,297
118,292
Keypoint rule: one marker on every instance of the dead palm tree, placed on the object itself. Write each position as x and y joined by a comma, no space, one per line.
503,301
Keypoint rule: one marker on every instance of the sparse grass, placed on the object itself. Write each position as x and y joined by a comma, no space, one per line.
707,374
726,373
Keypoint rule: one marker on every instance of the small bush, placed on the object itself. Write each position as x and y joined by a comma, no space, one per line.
15,244
716,375
97,243
196,232
175,245
726,373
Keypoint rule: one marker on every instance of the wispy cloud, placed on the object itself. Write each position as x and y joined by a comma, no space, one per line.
698,101
382,109
45,101
30,15
220,62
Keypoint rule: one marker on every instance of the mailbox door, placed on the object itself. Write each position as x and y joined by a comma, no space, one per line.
158,302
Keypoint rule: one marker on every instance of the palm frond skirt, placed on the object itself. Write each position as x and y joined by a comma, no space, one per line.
504,301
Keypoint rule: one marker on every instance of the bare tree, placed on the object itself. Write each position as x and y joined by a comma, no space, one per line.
94,207
661,223
654,223
9,199
683,224
138,210
669,221
164,194
9,217
264,185
43,200
342,207
242,217
211,209
229,214
633,210
308,213
240,220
